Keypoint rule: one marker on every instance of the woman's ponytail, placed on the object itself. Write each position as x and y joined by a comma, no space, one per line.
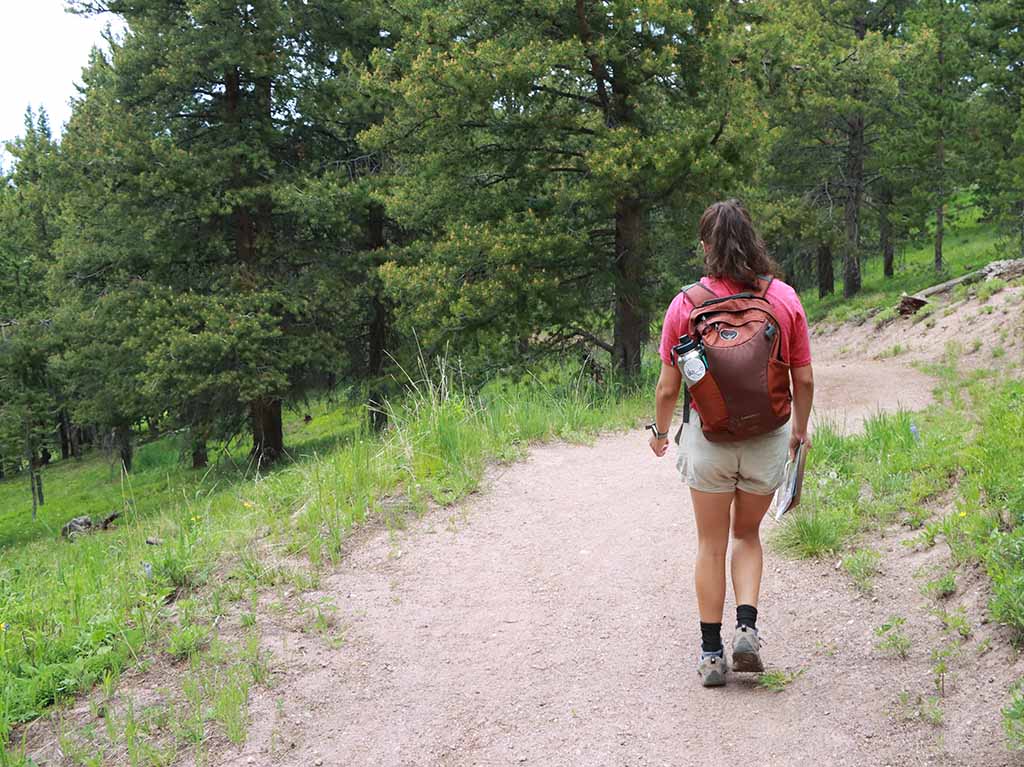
734,248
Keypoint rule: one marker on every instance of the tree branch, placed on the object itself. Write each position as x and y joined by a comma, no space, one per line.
564,94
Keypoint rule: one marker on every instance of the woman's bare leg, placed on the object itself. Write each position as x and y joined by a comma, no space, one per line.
711,510
747,557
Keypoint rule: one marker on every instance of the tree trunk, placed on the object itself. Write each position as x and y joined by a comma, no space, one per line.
940,152
885,232
618,109
35,491
1020,208
30,453
39,488
75,435
64,430
630,318
826,275
200,459
851,210
245,230
267,430
855,150
123,442
380,325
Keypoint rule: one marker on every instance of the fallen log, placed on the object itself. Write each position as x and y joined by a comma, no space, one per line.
1003,270
1009,269
911,305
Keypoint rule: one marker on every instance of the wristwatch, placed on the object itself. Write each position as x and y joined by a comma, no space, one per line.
653,426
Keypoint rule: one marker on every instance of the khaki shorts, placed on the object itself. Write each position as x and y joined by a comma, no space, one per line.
754,465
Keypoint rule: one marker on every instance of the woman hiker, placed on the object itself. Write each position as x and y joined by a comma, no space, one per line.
733,475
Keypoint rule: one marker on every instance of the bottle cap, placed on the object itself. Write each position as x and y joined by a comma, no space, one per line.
686,344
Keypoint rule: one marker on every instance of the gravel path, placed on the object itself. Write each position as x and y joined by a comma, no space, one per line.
550,620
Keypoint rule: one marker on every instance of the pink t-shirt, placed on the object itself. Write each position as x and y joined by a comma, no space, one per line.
796,340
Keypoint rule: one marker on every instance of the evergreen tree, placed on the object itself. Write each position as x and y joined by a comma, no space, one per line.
541,148
997,36
935,108
29,392
211,201
834,68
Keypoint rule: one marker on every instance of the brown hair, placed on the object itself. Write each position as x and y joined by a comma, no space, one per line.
734,248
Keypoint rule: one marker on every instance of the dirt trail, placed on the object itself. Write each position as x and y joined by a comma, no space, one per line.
550,620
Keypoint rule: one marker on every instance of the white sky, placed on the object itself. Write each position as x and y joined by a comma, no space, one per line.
42,52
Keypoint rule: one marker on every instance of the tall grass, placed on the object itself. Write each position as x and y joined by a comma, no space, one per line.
73,613
856,482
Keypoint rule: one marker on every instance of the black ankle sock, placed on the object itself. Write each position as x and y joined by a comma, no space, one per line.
746,615
710,636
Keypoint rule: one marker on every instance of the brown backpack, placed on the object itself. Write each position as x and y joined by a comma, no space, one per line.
745,392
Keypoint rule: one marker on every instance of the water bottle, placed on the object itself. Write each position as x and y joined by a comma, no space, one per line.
690,359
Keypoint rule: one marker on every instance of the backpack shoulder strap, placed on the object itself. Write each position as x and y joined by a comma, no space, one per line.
767,279
698,294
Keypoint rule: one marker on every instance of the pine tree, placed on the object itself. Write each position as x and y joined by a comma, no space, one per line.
214,202
834,67
542,148
29,392
935,108
998,135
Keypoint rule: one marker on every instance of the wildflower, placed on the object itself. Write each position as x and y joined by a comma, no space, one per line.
247,504
963,514
4,626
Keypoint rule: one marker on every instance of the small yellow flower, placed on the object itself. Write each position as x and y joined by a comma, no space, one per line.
4,626
247,504
963,513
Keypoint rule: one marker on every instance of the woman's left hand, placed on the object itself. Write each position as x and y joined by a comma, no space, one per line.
658,446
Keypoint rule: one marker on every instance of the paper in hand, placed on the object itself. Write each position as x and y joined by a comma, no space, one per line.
788,494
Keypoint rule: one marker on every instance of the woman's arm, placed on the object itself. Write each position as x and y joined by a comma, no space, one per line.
803,398
665,398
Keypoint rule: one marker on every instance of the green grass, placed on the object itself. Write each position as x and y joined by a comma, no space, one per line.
74,614
856,482
893,351
1013,718
94,486
777,681
862,566
185,642
892,640
989,288
973,440
923,708
969,245
942,587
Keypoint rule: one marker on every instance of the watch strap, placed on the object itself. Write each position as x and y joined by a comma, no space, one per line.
653,427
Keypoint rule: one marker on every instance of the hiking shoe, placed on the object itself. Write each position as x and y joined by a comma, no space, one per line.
711,668
746,650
